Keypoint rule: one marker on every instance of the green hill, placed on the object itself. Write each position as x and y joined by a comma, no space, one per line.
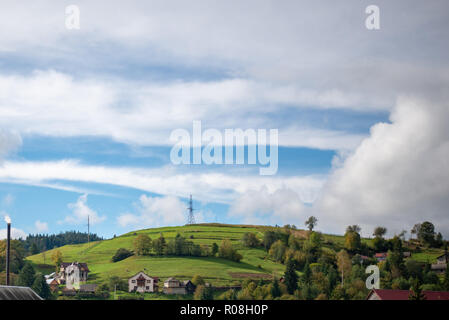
215,270
220,272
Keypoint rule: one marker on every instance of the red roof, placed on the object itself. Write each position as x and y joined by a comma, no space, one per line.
381,255
404,294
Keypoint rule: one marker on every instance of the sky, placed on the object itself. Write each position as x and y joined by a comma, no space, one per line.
86,114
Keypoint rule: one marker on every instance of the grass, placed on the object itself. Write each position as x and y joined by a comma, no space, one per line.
214,270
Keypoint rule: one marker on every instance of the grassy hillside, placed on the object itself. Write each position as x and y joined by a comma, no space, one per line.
215,270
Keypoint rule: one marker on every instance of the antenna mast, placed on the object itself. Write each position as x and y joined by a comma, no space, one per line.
191,218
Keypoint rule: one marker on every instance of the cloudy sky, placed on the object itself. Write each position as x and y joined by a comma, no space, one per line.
86,114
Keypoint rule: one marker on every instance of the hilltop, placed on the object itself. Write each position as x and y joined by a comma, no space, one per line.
220,272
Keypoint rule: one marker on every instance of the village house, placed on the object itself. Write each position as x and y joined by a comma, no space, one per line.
174,286
141,282
80,268
382,294
53,284
381,256
441,265
73,274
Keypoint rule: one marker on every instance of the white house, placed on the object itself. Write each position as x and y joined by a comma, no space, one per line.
141,282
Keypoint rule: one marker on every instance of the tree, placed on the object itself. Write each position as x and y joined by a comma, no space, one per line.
344,264
198,280
250,240
116,282
311,223
159,245
142,245
17,256
214,249
34,249
352,240
275,289
379,232
203,293
416,291
277,251
426,233
415,229
226,251
56,257
269,238
26,275
41,287
291,277
354,228
445,283
307,274
121,254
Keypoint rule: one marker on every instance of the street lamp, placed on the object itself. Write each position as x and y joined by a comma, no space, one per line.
8,247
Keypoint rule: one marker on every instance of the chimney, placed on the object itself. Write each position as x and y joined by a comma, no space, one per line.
8,252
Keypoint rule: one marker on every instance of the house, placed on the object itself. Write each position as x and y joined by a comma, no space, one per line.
74,272
174,286
141,282
444,258
381,256
18,293
438,267
379,294
53,284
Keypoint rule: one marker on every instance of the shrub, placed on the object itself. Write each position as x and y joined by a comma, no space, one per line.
121,254
226,251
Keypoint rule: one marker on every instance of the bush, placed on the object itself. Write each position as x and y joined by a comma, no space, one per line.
250,240
226,251
121,254
203,293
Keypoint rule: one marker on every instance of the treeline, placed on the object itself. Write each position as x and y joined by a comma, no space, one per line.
179,246
36,243
330,270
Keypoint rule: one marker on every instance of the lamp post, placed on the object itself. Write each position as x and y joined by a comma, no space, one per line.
8,247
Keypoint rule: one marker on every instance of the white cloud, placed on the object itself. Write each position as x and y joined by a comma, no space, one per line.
398,176
263,207
9,142
15,234
41,226
81,212
212,187
155,212
55,104
8,199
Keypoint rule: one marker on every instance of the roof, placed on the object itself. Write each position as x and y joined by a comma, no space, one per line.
381,255
446,253
141,272
18,293
384,294
82,265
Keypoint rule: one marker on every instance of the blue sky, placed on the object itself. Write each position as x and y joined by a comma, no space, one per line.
86,114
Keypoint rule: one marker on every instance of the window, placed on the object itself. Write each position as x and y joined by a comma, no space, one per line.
133,281
148,288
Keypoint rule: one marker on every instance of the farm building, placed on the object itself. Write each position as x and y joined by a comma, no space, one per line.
174,286
141,282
